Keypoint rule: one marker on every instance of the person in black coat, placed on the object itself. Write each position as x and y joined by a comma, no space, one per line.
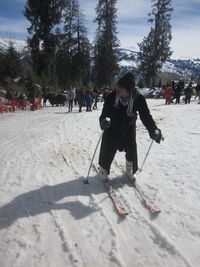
9,95
188,93
80,95
198,92
118,120
178,90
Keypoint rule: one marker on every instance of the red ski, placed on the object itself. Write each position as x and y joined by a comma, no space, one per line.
150,206
147,202
112,194
117,203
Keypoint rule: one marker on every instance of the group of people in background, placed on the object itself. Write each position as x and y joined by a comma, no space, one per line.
19,100
174,91
82,97
88,97
85,98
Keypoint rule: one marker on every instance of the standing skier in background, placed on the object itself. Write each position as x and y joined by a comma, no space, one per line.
188,93
198,92
88,99
71,96
179,88
80,94
118,120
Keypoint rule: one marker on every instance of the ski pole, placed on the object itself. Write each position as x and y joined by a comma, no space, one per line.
86,179
140,169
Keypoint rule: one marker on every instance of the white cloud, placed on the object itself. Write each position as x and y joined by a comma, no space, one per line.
128,9
185,43
88,8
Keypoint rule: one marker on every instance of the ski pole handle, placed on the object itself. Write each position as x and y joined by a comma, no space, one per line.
157,132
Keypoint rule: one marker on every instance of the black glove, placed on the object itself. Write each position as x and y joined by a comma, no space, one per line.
157,136
105,124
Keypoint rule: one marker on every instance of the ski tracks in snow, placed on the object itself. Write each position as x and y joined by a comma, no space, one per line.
97,230
137,216
54,219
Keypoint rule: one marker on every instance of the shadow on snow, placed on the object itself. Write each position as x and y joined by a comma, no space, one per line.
47,198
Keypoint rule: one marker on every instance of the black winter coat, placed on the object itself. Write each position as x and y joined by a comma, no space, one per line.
122,131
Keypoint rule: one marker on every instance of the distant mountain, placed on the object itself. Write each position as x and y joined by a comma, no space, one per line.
19,45
184,68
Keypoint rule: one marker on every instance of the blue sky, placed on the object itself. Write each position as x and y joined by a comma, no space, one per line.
132,23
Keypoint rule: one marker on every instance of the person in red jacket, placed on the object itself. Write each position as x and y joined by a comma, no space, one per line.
168,94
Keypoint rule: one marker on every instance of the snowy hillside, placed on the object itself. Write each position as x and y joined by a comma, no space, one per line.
19,45
49,218
183,67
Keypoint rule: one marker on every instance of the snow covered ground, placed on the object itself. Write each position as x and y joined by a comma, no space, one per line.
49,218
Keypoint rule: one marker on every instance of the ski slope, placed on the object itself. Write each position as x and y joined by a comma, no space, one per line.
49,218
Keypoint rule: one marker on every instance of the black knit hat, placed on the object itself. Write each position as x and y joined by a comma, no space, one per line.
127,81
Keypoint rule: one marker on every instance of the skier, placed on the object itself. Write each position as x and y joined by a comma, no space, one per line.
80,98
118,120
88,99
198,92
188,93
71,96
178,90
96,94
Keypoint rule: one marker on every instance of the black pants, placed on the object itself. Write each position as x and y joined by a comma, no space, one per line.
109,147
187,99
80,108
70,104
177,97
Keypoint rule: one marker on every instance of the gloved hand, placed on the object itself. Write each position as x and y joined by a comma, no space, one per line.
105,124
157,136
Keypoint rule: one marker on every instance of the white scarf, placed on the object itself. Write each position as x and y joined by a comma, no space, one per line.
125,102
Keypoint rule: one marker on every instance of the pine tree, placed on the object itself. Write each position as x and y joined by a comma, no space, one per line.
81,54
73,55
2,62
106,43
155,48
43,15
30,81
12,66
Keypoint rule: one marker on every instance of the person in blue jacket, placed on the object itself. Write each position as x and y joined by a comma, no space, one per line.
88,99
